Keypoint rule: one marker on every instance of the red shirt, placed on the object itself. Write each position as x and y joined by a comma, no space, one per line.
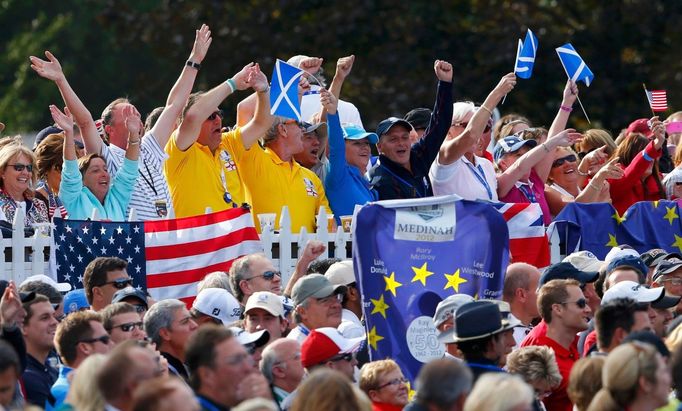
629,189
565,358
381,406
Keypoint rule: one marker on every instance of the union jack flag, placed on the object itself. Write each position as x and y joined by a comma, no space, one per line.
528,241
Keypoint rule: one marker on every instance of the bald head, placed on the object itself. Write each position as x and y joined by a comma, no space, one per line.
519,275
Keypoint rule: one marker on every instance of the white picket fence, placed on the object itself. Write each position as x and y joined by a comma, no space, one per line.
26,256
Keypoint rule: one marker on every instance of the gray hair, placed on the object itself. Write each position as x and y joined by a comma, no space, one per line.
272,133
268,360
669,181
216,279
461,109
238,272
160,315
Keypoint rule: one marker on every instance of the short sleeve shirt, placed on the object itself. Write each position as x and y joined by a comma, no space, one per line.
469,181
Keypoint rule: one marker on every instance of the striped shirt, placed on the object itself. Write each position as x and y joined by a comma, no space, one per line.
151,193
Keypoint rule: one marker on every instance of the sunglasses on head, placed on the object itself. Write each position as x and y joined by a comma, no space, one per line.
103,339
581,303
120,283
217,113
20,167
560,161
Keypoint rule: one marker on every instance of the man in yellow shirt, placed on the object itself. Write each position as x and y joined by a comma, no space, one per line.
202,168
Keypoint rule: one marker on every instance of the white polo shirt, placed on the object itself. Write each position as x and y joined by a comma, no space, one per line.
469,181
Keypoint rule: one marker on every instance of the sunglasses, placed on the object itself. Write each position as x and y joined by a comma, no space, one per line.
268,275
571,158
581,303
464,125
129,326
121,283
345,357
582,154
105,339
395,381
217,113
20,167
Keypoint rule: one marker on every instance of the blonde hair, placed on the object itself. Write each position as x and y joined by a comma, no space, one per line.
535,363
621,373
595,138
329,390
498,392
9,151
370,373
83,392
674,339
585,381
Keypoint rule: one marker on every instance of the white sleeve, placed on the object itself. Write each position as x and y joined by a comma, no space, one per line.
440,172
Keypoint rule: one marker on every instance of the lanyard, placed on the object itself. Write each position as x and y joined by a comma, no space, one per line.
485,366
303,330
227,197
149,182
527,191
205,404
481,178
416,191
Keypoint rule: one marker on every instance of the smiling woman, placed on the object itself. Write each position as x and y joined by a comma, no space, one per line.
17,178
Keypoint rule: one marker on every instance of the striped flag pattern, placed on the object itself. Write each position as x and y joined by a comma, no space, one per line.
658,100
528,242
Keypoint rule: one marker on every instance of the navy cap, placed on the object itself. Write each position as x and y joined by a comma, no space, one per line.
24,297
667,301
567,271
654,256
121,295
511,144
419,117
669,264
309,128
628,261
386,125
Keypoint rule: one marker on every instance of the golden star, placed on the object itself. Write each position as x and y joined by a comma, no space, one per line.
655,204
678,242
670,214
618,218
454,280
380,306
391,284
421,273
612,241
374,338
410,391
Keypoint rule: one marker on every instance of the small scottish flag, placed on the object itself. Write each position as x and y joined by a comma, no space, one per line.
525,56
575,67
284,91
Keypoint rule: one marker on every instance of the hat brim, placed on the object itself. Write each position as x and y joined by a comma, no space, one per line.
399,122
27,297
457,339
651,295
665,302
266,308
313,127
586,277
372,137
259,338
328,290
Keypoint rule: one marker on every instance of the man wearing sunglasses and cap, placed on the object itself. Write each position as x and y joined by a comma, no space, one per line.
326,347
317,304
668,274
104,276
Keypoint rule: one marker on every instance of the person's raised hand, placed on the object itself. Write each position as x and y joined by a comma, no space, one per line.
329,102
506,84
50,69
63,120
313,249
593,160
132,121
11,311
202,42
310,65
658,129
610,171
303,86
570,93
344,65
443,70
566,138
257,79
241,79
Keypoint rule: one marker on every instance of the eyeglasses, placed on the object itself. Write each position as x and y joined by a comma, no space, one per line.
20,167
464,125
105,339
581,303
267,275
139,308
582,154
331,299
673,280
120,283
345,357
129,326
560,161
395,381
217,113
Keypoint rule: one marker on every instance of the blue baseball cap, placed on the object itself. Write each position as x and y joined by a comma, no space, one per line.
567,271
511,144
386,125
356,132
75,300
628,261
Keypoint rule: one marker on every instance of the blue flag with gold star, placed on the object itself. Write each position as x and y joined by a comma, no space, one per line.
597,227
411,254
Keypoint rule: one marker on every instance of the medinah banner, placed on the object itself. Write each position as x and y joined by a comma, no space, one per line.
411,254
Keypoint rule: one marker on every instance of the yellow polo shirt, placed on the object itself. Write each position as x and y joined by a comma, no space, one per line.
271,183
197,178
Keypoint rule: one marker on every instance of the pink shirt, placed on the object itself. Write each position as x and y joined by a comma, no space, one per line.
535,189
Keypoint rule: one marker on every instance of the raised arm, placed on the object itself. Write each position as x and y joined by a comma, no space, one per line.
262,120
634,171
52,70
177,98
65,122
344,65
451,150
441,117
135,127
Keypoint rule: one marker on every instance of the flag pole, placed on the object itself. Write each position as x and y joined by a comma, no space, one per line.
518,50
653,114
577,97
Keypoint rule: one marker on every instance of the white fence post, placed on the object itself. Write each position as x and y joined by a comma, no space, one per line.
285,240
18,244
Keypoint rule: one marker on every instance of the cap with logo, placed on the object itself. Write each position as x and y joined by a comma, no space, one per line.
654,256
219,304
385,125
584,261
267,301
131,292
316,286
61,287
341,273
323,344
634,291
75,300
620,251
511,144
668,265
567,271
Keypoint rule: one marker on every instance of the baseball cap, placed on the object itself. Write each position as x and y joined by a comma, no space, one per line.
628,261
219,304
75,300
669,264
584,261
316,286
668,301
258,339
620,251
640,125
418,117
267,301
388,123
323,344
42,134
567,271
24,297
61,287
449,306
309,128
341,273
652,257
633,291
356,132
121,295
511,144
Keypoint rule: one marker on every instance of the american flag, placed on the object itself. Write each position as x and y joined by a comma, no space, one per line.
528,241
166,257
658,100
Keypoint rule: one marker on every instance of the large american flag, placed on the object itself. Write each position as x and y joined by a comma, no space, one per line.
166,257
528,241
658,99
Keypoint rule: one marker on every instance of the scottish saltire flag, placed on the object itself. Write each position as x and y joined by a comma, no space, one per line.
525,56
528,241
598,227
284,91
166,257
575,67
411,254
658,100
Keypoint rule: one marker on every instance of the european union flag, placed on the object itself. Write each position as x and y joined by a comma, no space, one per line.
525,56
598,227
575,67
411,254
284,91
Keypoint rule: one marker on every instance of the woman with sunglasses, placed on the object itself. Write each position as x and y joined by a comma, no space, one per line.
17,178
49,160
86,185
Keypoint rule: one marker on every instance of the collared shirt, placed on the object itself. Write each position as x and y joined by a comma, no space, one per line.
151,189
280,395
176,367
60,387
471,181
299,333
199,178
520,332
351,326
38,378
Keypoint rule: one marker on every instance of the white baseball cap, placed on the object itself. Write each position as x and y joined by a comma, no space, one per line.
341,273
61,287
267,301
584,261
633,291
620,251
219,304
258,339
447,308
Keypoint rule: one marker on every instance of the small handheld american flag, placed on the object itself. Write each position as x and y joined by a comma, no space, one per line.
658,100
